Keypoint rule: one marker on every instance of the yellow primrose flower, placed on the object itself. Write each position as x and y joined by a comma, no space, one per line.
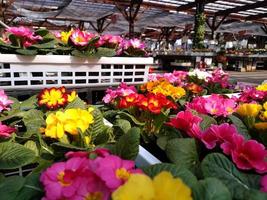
261,125
73,95
141,187
167,187
57,124
65,35
262,87
265,106
263,116
249,110
77,118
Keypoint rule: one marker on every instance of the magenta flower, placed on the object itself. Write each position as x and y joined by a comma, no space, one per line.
218,134
264,183
136,43
114,171
188,123
250,155
252,95
62,180
122,91
198,104
20,31
81,38
6,131
4,101
219,77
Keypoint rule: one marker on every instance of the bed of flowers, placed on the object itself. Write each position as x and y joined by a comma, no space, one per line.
26,41
220,140
74,155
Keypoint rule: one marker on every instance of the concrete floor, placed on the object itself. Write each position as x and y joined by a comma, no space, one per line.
249,77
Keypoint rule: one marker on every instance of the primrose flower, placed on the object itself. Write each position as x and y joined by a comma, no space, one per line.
203,75
264,184
140,186
249,109
136,43
114,171
6,131
262,87
72,96
80,38
250,95
59,123
53,98
4,101
188,123
65,35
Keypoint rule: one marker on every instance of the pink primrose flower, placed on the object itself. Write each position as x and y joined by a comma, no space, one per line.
250,155
80,38
264,184
218,134
198,104
188,123
6,131
4,101
114,171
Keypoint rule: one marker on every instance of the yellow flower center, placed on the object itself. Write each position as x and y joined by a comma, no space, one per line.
213,111
229,109
122,174
60,178
94,196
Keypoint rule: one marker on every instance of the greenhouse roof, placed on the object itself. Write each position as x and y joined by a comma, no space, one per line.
236,15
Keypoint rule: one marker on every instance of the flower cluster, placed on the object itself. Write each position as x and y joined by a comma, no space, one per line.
153,103
218,76
246,154
69,121
254,115
140,186
162,86
131,47
200,74
6,131
83,178
109,41
54,98
4,101
26,36
251,94
215,104
262,87
122,91
176,77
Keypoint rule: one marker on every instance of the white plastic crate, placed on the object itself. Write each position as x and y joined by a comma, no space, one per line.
35,72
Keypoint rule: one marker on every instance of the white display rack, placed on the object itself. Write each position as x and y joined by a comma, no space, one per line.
36,72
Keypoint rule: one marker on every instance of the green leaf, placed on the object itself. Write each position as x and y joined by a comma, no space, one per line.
183,152
42,32
42,165
33,120
131,118
10,188
15,106
30,103
177,171
31,189
218,166
98,126
103,137
256,195
76,103
105,52
241,127
206,122
32,146
47,45
26,52
121,126
127,146
211,189
13,155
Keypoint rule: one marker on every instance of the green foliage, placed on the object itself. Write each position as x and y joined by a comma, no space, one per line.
76,103
127,147
13,155
239,184
183,152
176,170
206,122
211,189
241,127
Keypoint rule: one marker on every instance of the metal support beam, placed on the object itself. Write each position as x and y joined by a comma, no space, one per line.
101,24
264,28
242,8
130,13
215,24
255,17
193,4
